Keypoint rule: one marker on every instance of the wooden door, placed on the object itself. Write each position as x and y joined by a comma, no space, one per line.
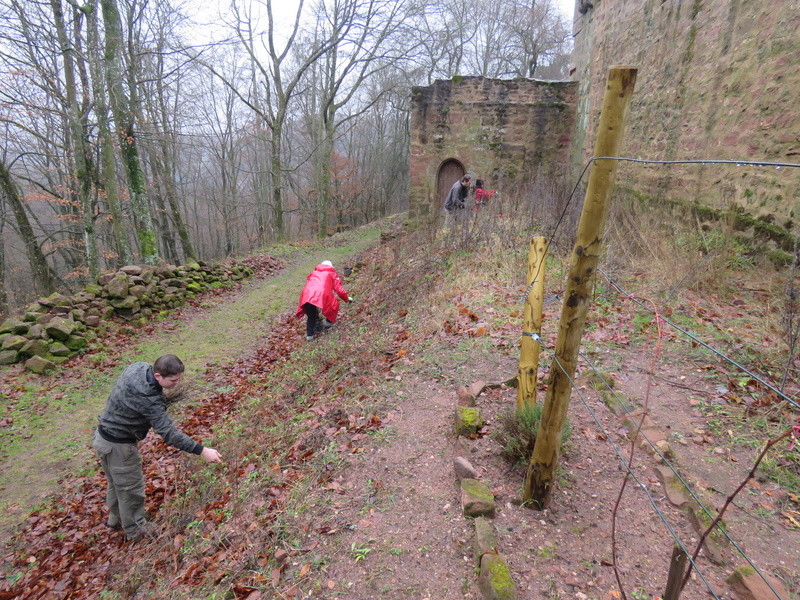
450,172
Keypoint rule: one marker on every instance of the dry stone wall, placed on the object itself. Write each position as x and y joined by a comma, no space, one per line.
717,79
57,327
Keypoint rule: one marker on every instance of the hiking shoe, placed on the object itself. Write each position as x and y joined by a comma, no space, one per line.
113,526
309,338
147,531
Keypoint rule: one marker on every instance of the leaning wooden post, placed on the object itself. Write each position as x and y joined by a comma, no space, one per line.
588,245
677,569
531,325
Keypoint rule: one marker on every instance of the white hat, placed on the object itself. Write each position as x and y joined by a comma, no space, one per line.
327,263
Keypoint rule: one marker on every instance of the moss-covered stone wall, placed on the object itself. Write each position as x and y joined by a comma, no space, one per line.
717,79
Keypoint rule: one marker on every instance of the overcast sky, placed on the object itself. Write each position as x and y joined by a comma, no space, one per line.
208,11
567,7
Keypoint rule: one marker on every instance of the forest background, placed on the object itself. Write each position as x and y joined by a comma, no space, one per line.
148,131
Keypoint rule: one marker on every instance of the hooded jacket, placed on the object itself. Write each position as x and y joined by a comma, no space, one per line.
456,196
319,290
135,405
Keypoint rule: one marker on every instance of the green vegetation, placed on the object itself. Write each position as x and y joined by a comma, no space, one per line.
42,436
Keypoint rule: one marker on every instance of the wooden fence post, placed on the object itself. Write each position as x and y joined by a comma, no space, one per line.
677,569
586,253
532,325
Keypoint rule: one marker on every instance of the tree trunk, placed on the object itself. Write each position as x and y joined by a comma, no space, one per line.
80,151
43,277
3,294
108,164
276,167
123,119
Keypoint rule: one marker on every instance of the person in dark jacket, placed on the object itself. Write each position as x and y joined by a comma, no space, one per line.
457,195
318,296
135,405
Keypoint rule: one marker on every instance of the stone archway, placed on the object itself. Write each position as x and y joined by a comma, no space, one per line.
450,171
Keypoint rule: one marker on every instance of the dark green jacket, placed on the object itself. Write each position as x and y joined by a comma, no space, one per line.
135,405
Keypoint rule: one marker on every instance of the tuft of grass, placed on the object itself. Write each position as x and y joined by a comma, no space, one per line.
516,433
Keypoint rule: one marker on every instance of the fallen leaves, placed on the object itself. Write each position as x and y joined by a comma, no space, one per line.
60,553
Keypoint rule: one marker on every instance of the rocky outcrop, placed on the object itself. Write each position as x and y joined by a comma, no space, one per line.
57,327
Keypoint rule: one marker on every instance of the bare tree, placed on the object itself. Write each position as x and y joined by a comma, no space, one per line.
80,154
126,131
361,35
107,175
43,276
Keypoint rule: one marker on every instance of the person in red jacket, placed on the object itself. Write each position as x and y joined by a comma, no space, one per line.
481,195
318,296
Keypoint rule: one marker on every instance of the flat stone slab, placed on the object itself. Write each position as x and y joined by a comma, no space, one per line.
485,539
494,580
749,585
675,490
477,499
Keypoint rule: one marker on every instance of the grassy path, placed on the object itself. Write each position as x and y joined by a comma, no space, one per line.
54,415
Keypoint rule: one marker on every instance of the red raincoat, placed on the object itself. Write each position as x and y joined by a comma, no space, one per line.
319,290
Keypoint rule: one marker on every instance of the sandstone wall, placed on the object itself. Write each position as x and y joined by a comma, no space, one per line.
717,79
500,130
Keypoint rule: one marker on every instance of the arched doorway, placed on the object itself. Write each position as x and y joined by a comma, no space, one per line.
450,171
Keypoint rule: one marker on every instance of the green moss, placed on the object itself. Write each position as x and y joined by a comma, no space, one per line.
779,258
498,577
736,215
739,573
468,420
457,78
477,489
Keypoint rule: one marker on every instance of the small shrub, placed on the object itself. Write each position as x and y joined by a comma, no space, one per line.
516,433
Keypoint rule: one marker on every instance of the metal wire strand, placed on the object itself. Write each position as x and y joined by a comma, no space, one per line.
701,342
633,475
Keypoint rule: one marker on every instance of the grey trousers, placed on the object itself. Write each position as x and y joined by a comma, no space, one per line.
122,465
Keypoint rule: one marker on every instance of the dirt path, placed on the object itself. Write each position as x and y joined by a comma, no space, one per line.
63,406
400,505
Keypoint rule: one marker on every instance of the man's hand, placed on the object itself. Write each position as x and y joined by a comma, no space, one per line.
211,455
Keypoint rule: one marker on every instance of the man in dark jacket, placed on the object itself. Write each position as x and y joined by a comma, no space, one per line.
135,405
457,195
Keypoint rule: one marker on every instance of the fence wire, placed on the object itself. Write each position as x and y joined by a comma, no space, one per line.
742,368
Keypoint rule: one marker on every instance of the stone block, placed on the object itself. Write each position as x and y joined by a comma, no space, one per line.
468,420
464,469
12,325
465,397
674,488
485,539
14,342
59,328
39,365
75,342
117,286
131,270
58,349
477,499
34,348
749,585
494,580
9,357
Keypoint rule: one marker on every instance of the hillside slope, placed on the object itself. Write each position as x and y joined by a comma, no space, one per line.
338,478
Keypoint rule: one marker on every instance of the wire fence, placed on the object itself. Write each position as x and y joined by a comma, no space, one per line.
627,462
